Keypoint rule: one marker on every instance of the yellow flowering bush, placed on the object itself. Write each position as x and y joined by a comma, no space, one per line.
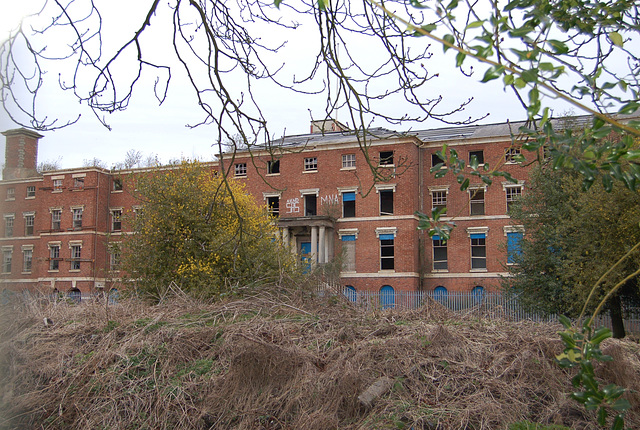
204,233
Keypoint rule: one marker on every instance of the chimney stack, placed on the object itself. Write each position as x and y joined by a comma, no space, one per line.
21,154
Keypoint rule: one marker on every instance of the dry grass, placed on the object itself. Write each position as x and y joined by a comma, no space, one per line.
266,363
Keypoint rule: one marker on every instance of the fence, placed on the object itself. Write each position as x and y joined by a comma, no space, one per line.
487,305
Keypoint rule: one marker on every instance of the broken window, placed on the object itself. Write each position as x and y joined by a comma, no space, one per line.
435,159
476,201
117,184
29,221
273,167
310,201
478,251
440,261
116,220
439,199
78,183
387,252
478,155
386,202
311,163
54,257
513,193
514,249
511,155
386,158
240,169
27,260
8,226
56,216
76,251
57,185
77,218
349,204
273,203
31,191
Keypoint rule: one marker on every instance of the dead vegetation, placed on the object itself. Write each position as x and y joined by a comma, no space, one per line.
270,364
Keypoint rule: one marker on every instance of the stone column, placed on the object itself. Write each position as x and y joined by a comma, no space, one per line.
314,244
322,255
285,237
328,246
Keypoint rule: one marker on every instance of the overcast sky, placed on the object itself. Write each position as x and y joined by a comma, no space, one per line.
162,130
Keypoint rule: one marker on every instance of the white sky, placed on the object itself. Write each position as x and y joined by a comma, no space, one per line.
162,130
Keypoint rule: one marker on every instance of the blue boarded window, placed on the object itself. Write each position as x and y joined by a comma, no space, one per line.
349,204
514,246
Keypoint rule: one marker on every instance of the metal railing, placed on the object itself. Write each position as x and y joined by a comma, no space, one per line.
486,305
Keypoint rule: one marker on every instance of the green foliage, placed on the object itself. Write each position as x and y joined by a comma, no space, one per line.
582,348
526,425
571,237
202,232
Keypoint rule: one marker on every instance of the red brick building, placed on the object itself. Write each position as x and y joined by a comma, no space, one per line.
57,226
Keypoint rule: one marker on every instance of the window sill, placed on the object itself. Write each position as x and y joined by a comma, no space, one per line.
77,189
53,271
273,174
310,171
440,271
26,273
383,271
74,270
478,270
116,191
240,176
30,197
348,168
56,191
386,165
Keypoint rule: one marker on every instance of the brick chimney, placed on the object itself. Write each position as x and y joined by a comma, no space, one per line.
327,126
21,154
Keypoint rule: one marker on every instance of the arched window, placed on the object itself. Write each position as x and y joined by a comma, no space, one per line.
75,295
387,297
351,293
478,293
440,293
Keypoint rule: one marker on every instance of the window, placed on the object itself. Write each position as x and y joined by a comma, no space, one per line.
29,221
117,184
386,252
476,201
76,251
56,216
478,155
273,167
310,201
386,202
513,193
57,185
311,164
6,260
27,260
478,251
439,199
54,257
273,203
511,155
514,242
78,183
349,204
435,159
439,253
386,158
8,225
348,161
116,220
240,169
77,218
349,252
114,260
31,191
11,193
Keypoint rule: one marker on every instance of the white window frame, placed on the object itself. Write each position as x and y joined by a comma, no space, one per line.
9,225
434,198
240,170
75,263
473,199
54,261
509,187
29,195
27,250
310,164
11,194
114,219
510,153
57,211
7,263
348,161
74,211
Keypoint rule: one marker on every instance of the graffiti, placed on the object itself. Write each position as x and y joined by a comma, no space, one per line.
328,200
293,205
